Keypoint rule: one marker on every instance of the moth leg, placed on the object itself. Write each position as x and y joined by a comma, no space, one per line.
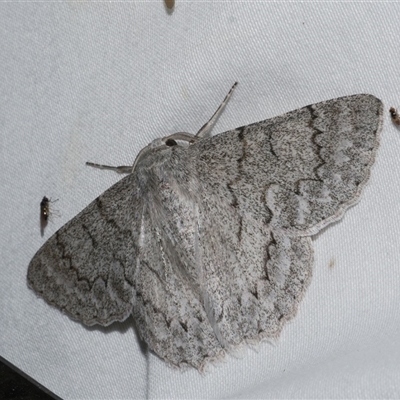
206,128
123,169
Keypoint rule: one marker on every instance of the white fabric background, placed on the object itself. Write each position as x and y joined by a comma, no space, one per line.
98,81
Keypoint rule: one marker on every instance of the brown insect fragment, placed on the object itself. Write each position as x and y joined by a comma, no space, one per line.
170,4
394,115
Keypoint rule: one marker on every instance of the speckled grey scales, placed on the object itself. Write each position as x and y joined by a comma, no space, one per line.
208,243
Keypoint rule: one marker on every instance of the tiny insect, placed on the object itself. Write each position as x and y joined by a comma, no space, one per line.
394,115
46,212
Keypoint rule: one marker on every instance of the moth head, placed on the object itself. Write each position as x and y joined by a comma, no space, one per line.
182,139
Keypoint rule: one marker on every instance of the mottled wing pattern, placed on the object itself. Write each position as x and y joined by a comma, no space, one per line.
264,187
86,268
305,167
168,309
253,278
202,289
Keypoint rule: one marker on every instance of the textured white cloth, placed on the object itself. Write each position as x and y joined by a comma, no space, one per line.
96,82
